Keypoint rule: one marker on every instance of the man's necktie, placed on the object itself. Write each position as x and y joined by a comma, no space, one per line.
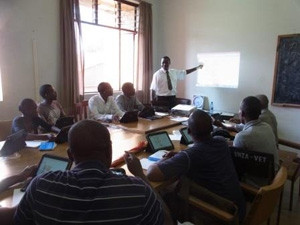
169,81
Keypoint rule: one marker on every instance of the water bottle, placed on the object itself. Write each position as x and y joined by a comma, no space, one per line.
211,108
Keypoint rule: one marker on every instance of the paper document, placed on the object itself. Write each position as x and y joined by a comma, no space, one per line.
184,107
179,119
1,144
175,137
17,196
146,163
33,144
157,155
161,114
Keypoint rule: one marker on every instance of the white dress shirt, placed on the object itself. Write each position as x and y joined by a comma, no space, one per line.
99,110
160,82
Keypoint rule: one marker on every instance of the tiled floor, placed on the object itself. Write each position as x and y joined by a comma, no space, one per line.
289,217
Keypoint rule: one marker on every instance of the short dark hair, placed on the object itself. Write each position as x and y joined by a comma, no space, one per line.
102,86
264,101
24,103
126,85
44,89
166,57
200,124
89,139
251,107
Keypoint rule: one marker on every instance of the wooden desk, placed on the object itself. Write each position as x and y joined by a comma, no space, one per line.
144,126
177,147
121,141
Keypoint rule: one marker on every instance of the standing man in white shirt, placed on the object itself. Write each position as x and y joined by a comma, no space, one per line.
102,106
164,83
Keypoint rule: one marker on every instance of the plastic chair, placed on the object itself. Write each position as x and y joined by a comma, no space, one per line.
80,110
5,129
196,197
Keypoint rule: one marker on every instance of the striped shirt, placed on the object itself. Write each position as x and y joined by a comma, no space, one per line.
88,194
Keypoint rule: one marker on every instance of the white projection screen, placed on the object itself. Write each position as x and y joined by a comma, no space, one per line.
220,69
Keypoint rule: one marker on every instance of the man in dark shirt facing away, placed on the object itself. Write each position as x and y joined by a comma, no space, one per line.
208,162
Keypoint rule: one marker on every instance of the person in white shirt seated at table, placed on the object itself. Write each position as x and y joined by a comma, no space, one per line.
128,101
102,106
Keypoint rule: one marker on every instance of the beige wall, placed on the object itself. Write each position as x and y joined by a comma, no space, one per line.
250,27
27,27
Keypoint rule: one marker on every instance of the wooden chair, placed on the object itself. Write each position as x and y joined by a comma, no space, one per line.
292,163
5,129
225,211
80,110
266,199
184,101
199,204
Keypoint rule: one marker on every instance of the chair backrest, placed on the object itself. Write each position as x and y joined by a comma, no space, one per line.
184,101
80,110
266,199
253,163
212,206
5,129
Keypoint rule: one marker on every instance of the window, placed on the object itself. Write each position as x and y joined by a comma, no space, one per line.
219,70
109,38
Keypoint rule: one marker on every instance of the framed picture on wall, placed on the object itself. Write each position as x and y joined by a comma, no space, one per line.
286,82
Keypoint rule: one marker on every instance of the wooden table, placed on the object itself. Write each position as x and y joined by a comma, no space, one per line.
144,126
121,141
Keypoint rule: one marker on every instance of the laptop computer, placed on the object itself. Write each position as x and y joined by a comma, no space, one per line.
158,141
128,117
147,112
14,143
62,136
64,121
50,163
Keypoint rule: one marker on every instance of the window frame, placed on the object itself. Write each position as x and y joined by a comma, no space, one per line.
120,29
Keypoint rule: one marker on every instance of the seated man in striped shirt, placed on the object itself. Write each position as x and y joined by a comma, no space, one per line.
89,193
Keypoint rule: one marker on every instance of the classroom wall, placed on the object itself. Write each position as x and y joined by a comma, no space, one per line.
250,27
181,29
28,29
30,49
